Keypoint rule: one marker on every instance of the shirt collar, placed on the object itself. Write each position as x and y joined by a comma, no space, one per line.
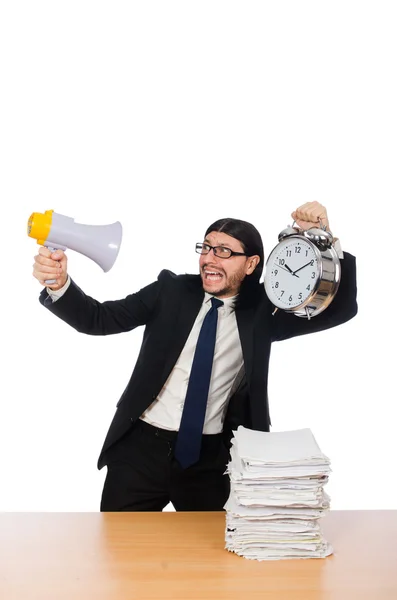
228,303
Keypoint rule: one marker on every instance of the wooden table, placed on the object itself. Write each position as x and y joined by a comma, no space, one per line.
181,556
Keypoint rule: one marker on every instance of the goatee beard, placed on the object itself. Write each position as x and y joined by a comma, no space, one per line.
231,289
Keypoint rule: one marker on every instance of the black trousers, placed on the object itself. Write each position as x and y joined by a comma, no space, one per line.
143,474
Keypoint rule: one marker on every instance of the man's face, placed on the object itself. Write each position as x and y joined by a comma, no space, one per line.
222,277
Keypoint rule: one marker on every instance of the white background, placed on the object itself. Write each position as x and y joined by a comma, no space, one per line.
167,116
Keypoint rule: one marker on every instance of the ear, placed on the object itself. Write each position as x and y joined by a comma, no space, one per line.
252,263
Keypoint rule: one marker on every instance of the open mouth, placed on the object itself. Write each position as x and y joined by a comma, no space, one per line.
212,275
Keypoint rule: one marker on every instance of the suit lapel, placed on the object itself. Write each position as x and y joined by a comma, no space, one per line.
245,324
187,307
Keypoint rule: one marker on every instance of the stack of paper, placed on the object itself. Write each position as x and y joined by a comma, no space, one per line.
276,495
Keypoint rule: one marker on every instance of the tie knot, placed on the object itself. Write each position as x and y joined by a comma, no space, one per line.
216,303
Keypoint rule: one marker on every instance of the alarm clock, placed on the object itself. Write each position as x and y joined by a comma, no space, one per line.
303,271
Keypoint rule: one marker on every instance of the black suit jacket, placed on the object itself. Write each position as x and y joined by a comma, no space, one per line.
168,308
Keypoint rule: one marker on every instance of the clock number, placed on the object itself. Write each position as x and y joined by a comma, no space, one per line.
288,252
308,287
275,271
277,284
300,296
281,261
282,292
312,262
297,249
290,298
313,275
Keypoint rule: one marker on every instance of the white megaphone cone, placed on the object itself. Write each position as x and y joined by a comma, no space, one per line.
100,243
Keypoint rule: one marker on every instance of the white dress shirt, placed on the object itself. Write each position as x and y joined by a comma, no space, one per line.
166,410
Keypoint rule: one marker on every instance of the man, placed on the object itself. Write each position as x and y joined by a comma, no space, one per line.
203,366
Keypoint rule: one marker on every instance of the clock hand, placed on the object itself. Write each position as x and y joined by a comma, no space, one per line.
309,263
290,270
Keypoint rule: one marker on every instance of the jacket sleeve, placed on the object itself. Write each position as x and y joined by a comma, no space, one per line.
87,315
343,308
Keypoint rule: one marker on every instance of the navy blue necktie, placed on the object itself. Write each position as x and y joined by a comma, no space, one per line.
188,443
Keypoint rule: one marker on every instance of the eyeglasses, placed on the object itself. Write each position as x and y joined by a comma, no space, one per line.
220,251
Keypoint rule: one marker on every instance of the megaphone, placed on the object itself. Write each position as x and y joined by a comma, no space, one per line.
100,243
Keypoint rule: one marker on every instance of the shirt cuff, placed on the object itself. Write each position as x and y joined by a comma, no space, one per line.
56,294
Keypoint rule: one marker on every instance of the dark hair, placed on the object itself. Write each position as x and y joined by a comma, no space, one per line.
251,241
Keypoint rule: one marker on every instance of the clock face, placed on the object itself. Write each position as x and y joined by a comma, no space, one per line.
292,272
